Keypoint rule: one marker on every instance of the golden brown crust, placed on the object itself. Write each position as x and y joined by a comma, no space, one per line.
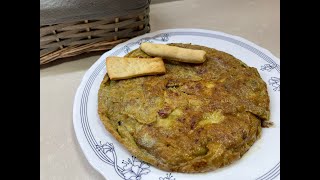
193,118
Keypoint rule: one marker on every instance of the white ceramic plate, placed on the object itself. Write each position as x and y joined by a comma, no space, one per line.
113,161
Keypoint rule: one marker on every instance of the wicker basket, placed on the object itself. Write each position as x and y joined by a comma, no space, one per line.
70,39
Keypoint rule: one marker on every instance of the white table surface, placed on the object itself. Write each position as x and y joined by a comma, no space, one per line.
61,157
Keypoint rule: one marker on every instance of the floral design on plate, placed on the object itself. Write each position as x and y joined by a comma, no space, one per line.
268,67
275,82
132,169
162,37
168,177
126,49
144,40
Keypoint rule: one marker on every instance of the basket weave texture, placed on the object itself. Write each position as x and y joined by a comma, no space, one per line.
74,38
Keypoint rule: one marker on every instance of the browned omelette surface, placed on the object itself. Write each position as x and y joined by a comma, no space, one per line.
195,118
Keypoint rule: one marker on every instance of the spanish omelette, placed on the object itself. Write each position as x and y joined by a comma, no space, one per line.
195,118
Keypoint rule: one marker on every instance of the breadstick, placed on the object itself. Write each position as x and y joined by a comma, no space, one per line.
125,68
174,53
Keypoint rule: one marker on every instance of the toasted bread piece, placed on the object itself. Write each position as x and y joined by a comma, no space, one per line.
125,68
174,53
